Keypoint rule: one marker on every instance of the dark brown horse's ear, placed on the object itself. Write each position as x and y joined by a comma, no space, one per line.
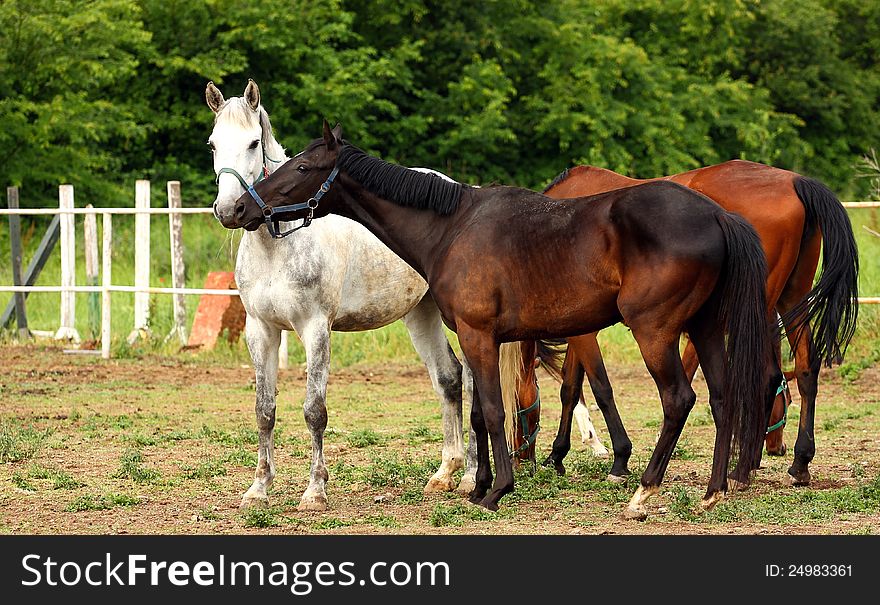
337,131
214,97
252,94
329,137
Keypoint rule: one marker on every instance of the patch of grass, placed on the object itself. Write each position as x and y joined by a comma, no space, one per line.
140,440
19,443
60,479
682,451
344,473
364,438
393,471
208,514
701,416
412,495
458,513
91,502
240,436
798,506
131,466
422,434
331,523
205,470
261,517
382,520
241,457
544,484
682,504
22,483
851,370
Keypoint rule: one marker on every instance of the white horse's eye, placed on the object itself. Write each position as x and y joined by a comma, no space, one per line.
254,144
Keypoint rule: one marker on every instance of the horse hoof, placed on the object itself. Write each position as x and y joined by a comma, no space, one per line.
467,485
437,485
635,514
798,480
616,479
489,504
253,502
316,502
709,502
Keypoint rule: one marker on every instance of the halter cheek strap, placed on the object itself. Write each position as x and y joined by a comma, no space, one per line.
270,212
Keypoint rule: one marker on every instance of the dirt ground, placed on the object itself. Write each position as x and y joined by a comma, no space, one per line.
167,445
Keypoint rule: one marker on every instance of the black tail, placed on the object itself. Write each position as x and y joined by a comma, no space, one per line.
832,306
743,311
551,352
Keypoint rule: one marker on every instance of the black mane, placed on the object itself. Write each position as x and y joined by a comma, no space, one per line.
559,178
398,184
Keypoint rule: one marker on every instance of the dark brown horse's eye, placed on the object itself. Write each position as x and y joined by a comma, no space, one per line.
301,168
254,144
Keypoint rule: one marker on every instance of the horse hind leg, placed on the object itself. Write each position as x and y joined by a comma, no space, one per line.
263,341
660,352
426,331
469,478
316,340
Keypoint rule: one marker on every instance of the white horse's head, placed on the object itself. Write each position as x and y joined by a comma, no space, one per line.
242,144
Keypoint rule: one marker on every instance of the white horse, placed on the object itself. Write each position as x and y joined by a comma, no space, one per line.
335,275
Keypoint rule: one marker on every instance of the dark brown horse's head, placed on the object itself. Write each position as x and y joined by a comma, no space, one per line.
295,190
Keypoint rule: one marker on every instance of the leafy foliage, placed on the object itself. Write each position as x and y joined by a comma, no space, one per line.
97,93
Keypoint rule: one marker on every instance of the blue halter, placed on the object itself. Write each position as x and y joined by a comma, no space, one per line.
269,212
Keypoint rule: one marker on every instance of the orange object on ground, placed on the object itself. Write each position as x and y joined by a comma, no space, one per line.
217,313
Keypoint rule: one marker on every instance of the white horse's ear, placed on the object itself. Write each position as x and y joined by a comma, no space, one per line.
214,97
329,137
252,94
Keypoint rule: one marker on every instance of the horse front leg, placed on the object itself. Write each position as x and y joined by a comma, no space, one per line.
316,340
481,351
426,331
262,341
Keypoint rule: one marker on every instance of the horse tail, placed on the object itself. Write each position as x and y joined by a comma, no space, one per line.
832,306
551,353
510,364
743,313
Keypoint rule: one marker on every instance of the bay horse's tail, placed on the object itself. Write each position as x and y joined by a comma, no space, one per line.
743,313
832,306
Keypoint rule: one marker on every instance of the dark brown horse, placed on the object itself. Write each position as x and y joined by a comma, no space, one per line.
659,257
793,215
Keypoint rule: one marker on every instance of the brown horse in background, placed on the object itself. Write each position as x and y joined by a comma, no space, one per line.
793,215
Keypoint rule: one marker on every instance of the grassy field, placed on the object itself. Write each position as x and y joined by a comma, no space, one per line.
167,445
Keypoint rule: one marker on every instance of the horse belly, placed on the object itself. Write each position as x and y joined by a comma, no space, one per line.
377,291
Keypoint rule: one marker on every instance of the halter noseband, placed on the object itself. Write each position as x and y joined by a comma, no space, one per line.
269,211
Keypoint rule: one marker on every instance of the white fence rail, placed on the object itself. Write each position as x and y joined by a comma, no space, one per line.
141,289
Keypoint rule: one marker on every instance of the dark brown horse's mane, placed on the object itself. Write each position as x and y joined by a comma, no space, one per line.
558,179
398,184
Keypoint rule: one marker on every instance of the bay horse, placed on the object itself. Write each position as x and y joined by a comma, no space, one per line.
506,264
334,276
794,216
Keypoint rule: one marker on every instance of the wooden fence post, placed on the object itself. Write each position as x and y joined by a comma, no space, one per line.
15,243
67,329
41,256
90,234
106,281
178,272
141,262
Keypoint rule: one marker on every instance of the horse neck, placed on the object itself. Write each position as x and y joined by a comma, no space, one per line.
415,235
